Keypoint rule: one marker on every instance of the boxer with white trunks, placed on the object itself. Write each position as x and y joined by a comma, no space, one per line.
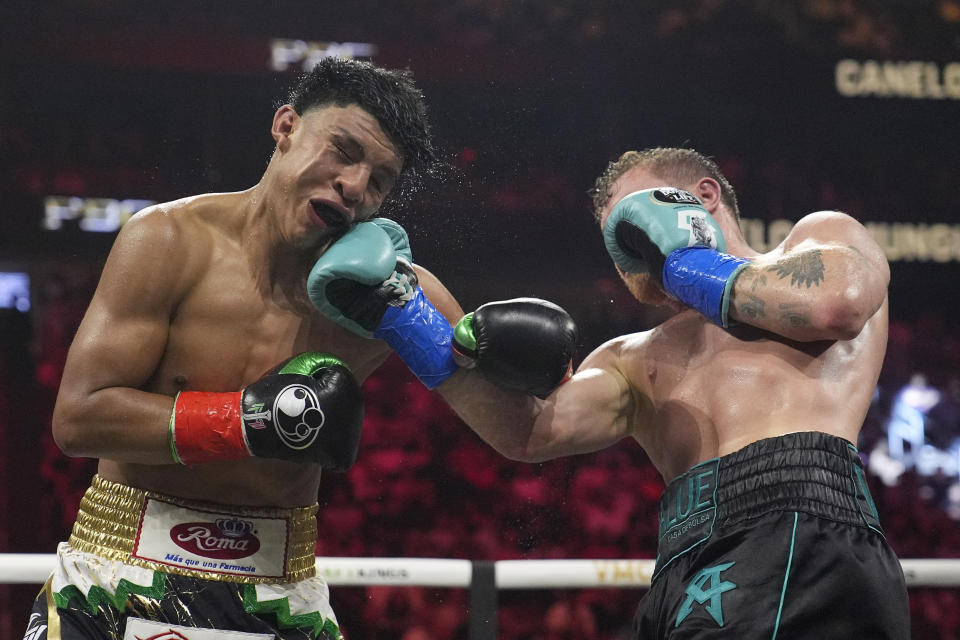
200,521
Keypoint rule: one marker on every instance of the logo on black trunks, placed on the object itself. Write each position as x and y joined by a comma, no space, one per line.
707,587
296,416
36,628
669,195
227,539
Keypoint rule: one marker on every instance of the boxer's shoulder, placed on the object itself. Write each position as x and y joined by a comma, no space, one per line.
190,221
625,355
824,227
192,212
172,241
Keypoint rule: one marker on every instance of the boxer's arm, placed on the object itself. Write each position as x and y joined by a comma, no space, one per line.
588,412
495,414
830,279
99,411
592,410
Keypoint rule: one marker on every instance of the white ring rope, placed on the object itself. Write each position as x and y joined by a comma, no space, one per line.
34,568
573,574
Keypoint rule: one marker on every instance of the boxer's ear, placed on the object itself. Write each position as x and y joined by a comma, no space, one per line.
285,120
709,192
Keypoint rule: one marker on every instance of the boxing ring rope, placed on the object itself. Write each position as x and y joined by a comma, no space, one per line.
485,578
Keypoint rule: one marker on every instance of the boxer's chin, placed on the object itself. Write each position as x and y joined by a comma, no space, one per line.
644,290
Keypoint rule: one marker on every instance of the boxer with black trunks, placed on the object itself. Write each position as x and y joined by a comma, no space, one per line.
748,399
200,522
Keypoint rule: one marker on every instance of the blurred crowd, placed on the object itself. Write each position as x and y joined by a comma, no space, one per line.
871,26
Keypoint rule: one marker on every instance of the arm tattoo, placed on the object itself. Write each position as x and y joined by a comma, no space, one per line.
795,314
805,268
755,276
752,308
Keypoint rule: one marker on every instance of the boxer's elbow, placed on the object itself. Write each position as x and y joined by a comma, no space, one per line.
545,442
853,294
69,431
843,315
67,434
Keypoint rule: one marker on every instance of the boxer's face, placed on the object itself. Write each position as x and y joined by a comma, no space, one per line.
639,284
335,165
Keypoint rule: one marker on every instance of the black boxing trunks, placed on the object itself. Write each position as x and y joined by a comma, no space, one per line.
140,564
779,540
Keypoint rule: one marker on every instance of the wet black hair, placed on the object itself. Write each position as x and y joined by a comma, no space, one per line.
389,95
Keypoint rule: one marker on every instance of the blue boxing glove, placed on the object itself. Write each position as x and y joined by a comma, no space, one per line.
667,233
365,282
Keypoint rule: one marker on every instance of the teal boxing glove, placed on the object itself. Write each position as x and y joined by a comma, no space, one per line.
364,259
357,277
667,233
365,282
646,226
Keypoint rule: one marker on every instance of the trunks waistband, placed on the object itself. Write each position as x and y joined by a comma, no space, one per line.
809,472
198,539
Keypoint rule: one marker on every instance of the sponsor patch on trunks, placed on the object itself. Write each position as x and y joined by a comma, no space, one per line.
210,541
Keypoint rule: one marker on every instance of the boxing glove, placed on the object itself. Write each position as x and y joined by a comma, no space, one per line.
361,274
365,282
307,409
524,344
667,233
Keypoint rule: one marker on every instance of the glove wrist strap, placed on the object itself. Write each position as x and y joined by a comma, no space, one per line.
422,337
207,426
702,278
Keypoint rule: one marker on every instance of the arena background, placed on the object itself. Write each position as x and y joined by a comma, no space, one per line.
814,104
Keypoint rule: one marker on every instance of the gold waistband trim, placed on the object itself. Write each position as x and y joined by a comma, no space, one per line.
109,518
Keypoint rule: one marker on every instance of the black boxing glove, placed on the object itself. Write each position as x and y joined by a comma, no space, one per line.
308,409
524,344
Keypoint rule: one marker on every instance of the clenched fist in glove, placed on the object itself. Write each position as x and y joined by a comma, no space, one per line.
667,233
307,409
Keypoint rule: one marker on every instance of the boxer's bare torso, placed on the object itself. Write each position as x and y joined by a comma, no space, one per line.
227,328
702,392
211,320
